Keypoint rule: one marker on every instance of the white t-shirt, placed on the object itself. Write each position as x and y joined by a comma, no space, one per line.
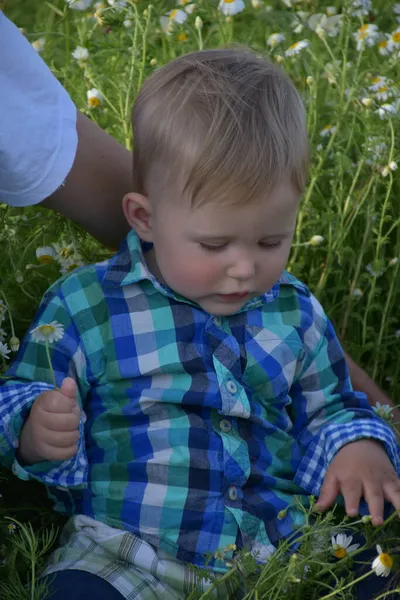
38,138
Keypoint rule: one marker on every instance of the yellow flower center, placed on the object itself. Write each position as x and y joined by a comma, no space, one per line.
340,553
396,37
182,37
363,32
293,46
46,330
45,259
72,267
386,560
173,14
229,1
377,79
383,44
382,89
94,102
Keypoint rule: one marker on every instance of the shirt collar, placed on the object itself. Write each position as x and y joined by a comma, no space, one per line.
128,266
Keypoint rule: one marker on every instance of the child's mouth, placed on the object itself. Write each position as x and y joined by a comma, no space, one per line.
233,297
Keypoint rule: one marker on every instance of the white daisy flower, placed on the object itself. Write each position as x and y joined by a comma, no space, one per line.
45,255
39,45
395,38
383,563
79,4
327,130
11,528
393,261
94,98
48,332
384,411
174,16
3,335
366,34
324,25
67,265
392,166
383,93
386,47
80,53
357,293
275,39
297,47
367,102
342,546
361,7
231,7
188,6
386,110
127,23
64,250
378,82
4,350
316,240
118,4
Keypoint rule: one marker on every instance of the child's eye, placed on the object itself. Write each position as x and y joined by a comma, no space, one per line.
270,246
209,248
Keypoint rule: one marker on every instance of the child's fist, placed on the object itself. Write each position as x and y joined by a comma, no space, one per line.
51,430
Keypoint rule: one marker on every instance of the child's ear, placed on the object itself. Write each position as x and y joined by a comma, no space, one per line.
138,213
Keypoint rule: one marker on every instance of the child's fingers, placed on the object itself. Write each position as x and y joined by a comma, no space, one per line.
373,494
391,491
351,492
68,388
328,494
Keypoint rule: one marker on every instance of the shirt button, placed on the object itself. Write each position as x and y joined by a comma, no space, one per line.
217,321
231,387
225,425
232,493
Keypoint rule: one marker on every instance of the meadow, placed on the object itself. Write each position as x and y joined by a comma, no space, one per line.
344,58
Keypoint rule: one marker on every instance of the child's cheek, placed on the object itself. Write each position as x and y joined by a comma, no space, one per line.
197,272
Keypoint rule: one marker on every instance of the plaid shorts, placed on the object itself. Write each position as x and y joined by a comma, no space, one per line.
136,569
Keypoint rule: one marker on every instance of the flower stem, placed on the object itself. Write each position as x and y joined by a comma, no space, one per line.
347,585
50,365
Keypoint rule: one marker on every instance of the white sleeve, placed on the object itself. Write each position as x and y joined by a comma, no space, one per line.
38,137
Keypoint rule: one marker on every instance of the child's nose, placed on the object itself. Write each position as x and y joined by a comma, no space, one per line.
243,269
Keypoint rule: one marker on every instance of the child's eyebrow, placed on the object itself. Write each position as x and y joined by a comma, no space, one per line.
226,238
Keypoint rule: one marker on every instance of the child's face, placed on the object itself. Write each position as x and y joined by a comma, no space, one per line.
221,256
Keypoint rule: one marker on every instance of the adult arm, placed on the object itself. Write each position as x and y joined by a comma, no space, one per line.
93,190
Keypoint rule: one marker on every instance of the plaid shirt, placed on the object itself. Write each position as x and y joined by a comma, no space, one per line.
197,430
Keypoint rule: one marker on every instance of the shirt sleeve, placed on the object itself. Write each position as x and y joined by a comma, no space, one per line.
326,411
27,378
38,137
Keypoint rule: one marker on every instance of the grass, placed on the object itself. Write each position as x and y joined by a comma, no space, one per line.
347,241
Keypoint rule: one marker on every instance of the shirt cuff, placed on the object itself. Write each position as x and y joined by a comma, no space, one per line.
324,447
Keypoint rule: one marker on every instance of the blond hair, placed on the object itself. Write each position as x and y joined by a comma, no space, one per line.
230,123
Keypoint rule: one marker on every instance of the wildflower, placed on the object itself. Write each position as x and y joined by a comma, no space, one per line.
127,23
384,411
79,4
256,4
39,45
297,47
382,94
275,39
45,255
367,102
386,110
395,38
374,272
182,37
3,335
94,98
4,350
64,250
383,563
14,343
48,332
80,53
117,4
386,47
342,546
361,7
393,261
316,240
366,519
392,166
174,16
378,82
231,7
366,34
327,130
11,528
198,23
357,293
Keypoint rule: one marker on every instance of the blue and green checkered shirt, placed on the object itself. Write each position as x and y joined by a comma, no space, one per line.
197,430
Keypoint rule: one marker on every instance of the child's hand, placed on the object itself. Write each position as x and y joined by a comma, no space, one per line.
361,468
51,430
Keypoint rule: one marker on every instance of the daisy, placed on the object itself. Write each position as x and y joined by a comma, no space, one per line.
392,166
341,545
395,38
118,4
383,93
48,332
188,6
4,350
94,98
386,47
275,39
3,335
174,16
39,45
297,47
70,264
45,255
323,25
378,82
11,528
386,110
361,7
383,563
384,411
367,34
80,53
327,130
79,4
231,7
393,261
